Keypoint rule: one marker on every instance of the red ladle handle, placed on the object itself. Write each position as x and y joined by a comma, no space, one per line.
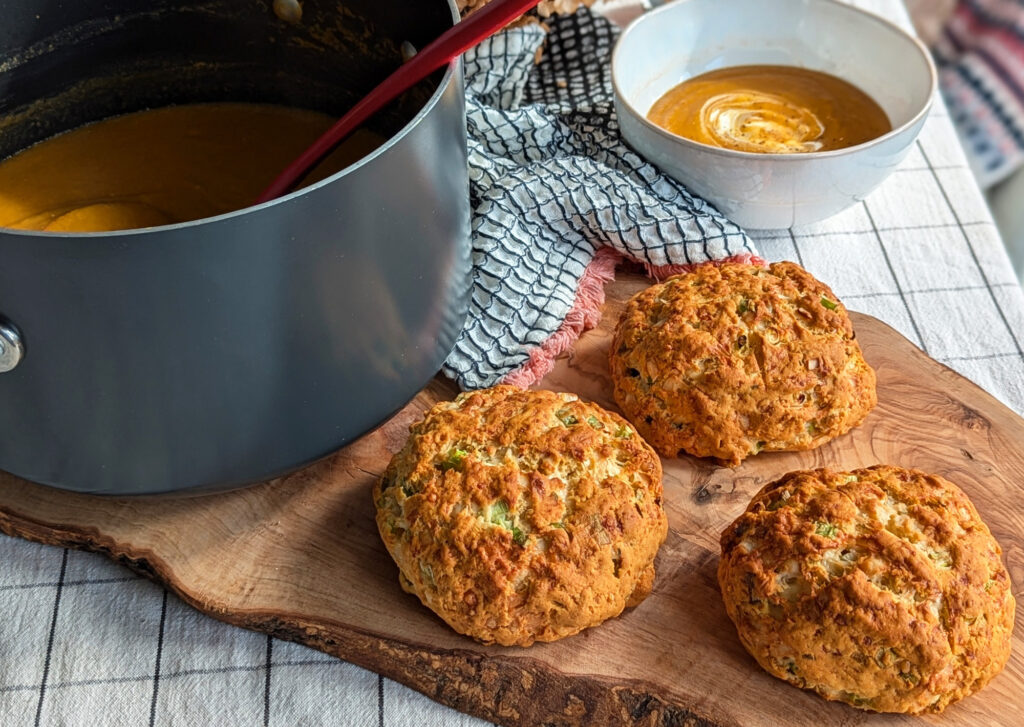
456,40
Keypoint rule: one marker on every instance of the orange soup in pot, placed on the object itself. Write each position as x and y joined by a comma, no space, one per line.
163,166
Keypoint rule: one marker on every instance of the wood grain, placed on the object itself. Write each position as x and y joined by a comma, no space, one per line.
300,558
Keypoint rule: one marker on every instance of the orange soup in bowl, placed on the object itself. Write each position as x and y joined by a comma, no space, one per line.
770,110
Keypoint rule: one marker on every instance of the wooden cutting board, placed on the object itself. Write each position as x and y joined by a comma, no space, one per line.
300,558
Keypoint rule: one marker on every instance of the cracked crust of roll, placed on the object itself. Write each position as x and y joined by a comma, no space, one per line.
731,360
521,516
881,588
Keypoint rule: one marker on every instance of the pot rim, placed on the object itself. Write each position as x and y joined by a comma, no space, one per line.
392,141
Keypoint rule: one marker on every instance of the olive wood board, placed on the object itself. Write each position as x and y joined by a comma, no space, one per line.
300,558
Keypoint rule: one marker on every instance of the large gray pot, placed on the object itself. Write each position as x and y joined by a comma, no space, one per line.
232,349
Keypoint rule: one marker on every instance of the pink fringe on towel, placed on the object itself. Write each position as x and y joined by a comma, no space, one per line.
584,314
586,310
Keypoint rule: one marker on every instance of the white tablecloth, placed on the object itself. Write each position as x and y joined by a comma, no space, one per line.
85,642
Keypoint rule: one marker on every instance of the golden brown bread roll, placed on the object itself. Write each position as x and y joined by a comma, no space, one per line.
731,360
521,516
881,588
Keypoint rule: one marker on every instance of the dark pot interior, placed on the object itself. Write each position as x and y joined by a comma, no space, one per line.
64,64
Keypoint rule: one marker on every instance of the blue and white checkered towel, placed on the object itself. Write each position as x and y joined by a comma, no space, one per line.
558,199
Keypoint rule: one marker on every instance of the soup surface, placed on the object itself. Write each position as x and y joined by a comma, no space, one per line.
162,166
771,110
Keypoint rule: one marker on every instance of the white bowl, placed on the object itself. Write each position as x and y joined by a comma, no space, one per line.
772,191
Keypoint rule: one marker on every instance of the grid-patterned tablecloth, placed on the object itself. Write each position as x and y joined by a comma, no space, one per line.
85,642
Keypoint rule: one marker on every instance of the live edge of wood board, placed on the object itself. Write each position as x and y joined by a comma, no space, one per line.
300,558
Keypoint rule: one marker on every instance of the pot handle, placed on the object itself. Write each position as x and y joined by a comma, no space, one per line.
12,350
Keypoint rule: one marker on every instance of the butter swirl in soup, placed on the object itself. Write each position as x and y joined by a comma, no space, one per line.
770,110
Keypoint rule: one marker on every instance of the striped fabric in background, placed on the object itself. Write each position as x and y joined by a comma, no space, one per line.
980,55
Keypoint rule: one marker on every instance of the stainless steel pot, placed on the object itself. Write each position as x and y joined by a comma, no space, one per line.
228,350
